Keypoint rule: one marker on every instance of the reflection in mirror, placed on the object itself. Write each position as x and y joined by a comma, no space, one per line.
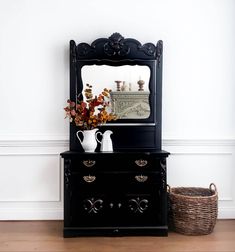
129,85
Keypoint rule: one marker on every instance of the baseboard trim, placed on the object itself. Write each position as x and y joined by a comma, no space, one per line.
57,213
226,213
31,214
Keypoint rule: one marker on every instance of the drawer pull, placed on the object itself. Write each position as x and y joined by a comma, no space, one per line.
89,178
141,178
141,162
89,163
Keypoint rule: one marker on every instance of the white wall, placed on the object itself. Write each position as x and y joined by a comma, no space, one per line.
198,92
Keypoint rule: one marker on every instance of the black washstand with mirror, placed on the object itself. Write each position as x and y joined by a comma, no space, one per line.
121,192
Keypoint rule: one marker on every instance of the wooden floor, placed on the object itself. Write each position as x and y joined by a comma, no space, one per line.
47,236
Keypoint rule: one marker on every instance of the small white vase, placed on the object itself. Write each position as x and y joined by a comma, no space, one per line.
106,143
89,142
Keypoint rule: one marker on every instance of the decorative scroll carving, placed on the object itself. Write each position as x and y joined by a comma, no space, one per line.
163,172
83,49
73,51
67,172
93,205
116,46
89,163
148,48
159,52
138,205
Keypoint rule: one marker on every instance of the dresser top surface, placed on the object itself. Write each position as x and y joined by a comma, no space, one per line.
161,153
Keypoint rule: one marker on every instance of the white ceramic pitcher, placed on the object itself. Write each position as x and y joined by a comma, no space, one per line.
106,142
89,142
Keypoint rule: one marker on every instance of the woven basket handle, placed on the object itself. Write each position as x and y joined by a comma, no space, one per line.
168,188
213,187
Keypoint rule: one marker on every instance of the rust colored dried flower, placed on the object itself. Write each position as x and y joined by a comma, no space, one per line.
92,113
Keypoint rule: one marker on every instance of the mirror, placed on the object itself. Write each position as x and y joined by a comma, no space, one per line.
106,60
129,85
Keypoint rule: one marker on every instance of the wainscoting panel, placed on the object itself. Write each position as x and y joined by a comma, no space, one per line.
31,181
30,178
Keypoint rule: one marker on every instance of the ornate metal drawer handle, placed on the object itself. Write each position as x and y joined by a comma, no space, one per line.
89,178
141,162
89,163
141,178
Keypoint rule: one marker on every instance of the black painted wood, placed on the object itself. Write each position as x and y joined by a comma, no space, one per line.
119,193
117,51
123,192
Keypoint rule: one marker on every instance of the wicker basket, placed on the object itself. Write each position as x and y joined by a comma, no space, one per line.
193,210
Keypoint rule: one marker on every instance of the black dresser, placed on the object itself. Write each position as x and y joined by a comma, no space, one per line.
121,192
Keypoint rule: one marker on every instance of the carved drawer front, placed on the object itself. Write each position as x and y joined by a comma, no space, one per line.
141,209
90,209
93,182
141,182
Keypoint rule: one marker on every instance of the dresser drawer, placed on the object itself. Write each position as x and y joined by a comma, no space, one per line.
140,163
110,163
115,182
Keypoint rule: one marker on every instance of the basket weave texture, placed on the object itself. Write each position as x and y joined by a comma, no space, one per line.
193,210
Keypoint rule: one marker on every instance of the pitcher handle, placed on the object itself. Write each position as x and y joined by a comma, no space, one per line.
96,136
77,134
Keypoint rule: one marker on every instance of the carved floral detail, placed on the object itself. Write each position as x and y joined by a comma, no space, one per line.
116,45
163,172
67,172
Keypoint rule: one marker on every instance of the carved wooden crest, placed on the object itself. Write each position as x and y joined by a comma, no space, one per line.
116,46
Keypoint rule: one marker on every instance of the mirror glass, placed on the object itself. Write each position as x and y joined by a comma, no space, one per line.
129,85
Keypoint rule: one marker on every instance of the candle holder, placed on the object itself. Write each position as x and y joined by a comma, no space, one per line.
118,85
141,85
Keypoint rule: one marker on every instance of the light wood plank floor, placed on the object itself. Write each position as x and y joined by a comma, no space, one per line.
46,236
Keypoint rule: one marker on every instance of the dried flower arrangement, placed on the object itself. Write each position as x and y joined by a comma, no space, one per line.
90,113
